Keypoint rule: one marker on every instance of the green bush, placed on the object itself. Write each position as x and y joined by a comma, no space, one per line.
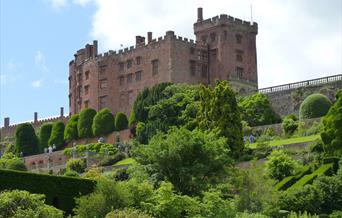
285,183
71,173
121,121
280,165
70,132
127,213
44,136
57,135
26,140
77,165
85,122
110,160
315,105
16,164
59,191
289,126
103,122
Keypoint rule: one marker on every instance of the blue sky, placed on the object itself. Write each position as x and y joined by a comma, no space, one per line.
297,40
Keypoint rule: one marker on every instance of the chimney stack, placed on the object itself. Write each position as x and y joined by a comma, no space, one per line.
61,114
199,14
94,53
139,41
149,37
35,117
6,122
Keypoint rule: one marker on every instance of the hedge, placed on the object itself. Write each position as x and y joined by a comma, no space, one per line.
315,105
290,180
121,121
60,191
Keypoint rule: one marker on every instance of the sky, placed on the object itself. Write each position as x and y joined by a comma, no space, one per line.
297,40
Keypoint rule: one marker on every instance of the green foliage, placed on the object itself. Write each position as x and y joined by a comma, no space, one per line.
147,97
291,116
44,136
289,126
301,215
77,165
121,121
71,173
112,159
11,162
70,132
250,215
257,110
280,165
57,135
26,140
285,183
59,191
127,213
219,110
190,160
85,122
336,214
332,127
103,122
246,129
98,148
315,105
22,204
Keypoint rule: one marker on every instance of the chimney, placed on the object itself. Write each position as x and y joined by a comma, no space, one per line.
35,117
61,113
149,37
6,122
94,53
199,14
139,40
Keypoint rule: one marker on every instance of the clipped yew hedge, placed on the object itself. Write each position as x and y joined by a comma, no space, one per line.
60,191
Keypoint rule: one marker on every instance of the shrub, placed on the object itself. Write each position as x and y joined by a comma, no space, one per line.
44,136
315,105
57,135
121,121
280,165
71,173
77,165
26,140
110,160
59,191
70,132
291,116
103,122
16,164
85,122
127,213
289,126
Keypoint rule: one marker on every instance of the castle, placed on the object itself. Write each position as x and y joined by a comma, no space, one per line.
225,49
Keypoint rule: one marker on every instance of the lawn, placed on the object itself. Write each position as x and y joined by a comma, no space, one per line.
290,140
125,161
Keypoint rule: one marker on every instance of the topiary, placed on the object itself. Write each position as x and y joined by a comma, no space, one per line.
57,135
26,140
70,132
44,136
103,122
77,165
121,121
289,126
315,105
85,122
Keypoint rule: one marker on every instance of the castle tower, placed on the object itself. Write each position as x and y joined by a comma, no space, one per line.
231,50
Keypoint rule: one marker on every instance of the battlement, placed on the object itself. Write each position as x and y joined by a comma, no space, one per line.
225,19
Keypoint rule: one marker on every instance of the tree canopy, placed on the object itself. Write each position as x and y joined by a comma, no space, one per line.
103,122
57,134
70,132
85,122
44,136
26,140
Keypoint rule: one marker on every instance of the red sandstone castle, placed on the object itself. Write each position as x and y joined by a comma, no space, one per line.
225,49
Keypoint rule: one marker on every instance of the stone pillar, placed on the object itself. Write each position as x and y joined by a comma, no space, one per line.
199,14
94,53
6,122
149,37
61,113
35,117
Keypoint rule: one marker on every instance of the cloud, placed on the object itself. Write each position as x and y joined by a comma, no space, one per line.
37,83
39,59
296,41
82,3
58,4
11,65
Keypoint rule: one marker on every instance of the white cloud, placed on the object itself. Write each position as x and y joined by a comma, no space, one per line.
37,83
58,4
11,65
39,59
82,2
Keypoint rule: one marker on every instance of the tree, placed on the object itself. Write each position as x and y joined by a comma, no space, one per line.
190,160
57,135
121,121
85,122
23,204
44,136
219,109
315,105
26,140
127,213
256,110
332,127
280,165
70,132
103,122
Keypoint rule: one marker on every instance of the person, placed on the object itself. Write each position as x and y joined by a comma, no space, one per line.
251,139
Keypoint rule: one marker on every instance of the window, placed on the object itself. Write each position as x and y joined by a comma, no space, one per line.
102,102
225,34
192,50
79,77
129,78
138,60
238,38
86,104
121,80
239,57
155,66
103,69
138,76
87,74
121,66
212,37
204,71
204,38
70,80
103,84
204,55
213,53
129,64
239,72
86,89
192,67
